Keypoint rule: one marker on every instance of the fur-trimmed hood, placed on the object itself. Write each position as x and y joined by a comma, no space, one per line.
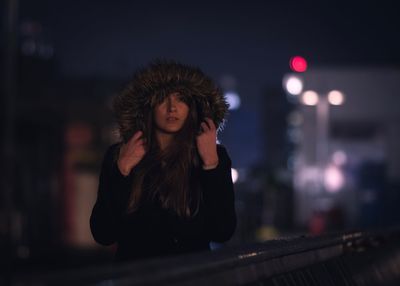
151,84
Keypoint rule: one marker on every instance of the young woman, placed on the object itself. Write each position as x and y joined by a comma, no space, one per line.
166,188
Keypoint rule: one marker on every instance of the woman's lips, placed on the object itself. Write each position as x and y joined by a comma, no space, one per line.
172,119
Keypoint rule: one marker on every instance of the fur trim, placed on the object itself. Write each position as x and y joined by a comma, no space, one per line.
154,82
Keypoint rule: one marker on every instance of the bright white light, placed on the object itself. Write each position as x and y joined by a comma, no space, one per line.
293,85
333,179
233,100
235,175
309,97
339,158
336,97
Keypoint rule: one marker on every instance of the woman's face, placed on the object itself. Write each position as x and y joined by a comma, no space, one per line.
170,115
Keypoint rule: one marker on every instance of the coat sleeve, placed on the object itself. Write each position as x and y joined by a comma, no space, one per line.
218,197
113,193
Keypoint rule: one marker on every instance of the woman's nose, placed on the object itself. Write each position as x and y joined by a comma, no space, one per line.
171,104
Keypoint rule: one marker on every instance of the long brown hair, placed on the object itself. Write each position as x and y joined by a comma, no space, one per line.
169,177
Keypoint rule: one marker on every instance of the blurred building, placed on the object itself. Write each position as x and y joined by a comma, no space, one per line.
346,162
62,126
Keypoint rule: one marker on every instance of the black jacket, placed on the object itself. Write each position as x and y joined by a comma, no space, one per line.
152,231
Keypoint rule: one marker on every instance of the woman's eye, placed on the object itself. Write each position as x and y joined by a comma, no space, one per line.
182,99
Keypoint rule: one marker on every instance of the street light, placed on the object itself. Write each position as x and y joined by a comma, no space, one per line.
293,84
322,102
336,97
309,97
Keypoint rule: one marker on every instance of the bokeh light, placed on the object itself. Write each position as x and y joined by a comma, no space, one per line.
293,85
333,179
309,97
235,175
233,100
336,97
298,64
339,158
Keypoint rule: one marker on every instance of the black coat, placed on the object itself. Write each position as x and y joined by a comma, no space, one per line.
152,231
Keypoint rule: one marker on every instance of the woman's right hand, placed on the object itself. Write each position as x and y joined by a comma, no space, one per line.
131,153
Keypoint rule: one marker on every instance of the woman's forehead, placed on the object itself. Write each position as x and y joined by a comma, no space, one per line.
174,93
160,97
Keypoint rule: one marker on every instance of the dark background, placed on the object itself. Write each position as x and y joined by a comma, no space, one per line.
62,61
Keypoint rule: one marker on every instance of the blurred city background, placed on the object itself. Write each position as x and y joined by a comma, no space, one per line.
313,130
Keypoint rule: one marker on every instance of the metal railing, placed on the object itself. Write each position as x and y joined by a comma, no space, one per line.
349,258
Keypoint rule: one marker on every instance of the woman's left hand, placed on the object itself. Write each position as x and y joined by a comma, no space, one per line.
206,143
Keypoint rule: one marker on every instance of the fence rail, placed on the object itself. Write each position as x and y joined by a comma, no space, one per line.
349,258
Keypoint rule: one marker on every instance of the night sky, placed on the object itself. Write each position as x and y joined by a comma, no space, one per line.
250,41
114,37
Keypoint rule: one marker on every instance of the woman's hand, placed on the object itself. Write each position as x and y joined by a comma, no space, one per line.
131,153
207,145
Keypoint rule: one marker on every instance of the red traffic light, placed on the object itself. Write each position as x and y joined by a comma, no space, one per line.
298,64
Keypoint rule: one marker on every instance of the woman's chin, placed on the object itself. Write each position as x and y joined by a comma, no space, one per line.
170,130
